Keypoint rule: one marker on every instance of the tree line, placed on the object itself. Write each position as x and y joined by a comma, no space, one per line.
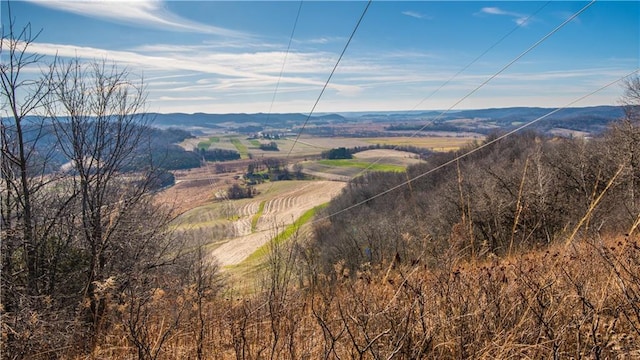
347,153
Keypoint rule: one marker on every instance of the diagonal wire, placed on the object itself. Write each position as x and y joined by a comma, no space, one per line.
329,78
284,62
485,82
518,26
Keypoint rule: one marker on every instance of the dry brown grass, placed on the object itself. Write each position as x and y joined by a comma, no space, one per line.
575,301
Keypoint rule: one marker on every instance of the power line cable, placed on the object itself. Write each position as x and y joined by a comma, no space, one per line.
329,78
518,26
284,62
344,50
505,67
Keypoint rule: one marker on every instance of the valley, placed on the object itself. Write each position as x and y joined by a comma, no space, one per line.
234,229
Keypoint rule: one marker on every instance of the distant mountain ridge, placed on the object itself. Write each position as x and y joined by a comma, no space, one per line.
532,113
586,119
241,119
593,119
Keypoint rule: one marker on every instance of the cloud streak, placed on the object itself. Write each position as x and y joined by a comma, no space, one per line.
140,13
518,18
415,14
231,70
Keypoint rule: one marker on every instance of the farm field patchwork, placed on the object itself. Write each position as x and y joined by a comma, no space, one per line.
242,148
237,228
206,144
354,163
369,160
308,146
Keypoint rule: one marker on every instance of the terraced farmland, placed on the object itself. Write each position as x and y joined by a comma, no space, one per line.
283,203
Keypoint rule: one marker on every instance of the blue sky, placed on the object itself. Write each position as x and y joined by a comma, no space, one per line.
227,56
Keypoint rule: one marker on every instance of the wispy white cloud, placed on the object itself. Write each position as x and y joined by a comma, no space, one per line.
230,69
200,78
518,18
222,45
407,55
322,40
144,13
415,14
264,61
565,15
493,11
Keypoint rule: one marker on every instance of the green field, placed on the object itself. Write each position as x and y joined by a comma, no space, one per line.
433,143
255,143
206,144
358,164
256,217
252,266
242,148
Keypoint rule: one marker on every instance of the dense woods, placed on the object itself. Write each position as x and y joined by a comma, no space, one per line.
523,191
527,247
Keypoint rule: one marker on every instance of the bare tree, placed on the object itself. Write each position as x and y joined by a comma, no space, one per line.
97,113
21,98
631,98
37,282
623,146
69,231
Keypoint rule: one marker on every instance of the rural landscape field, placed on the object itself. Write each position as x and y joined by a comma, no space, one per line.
245,225
319,180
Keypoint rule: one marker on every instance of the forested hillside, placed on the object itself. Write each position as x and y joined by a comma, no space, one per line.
519,193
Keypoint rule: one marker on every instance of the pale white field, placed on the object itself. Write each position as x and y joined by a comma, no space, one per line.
388,156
